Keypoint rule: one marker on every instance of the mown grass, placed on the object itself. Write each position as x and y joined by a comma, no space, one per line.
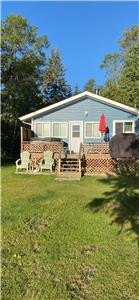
69,240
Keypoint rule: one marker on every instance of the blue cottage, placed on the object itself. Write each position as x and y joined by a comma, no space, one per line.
76,120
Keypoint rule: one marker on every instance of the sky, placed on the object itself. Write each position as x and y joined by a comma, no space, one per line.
82,31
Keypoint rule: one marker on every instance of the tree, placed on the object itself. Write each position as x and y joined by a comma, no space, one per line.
76,89
112,64
129,81
90,86
110,90
130,38
54,83
23,59
122,68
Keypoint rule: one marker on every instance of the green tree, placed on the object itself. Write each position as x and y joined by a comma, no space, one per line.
122,70
130,38
90,86
54,83
110,90
23,60
76,89
112,64
129,82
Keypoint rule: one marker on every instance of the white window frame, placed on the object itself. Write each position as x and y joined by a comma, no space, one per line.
124,121
91,137
62,137
41,122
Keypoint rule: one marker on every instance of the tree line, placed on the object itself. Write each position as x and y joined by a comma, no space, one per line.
31,80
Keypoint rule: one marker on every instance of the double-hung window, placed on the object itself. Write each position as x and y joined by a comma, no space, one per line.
92,130
123,127
43,129
59,129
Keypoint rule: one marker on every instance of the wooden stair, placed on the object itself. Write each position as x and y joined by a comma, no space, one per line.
69,168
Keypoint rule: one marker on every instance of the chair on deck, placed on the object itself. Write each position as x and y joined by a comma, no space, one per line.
47,162
23,163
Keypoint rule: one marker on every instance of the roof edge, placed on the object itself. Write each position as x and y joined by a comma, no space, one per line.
79,96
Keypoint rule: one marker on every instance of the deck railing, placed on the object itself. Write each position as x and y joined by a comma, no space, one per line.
55,147
101,148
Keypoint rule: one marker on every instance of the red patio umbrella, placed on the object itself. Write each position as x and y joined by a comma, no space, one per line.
102,125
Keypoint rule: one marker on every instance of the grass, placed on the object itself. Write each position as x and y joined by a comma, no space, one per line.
69,240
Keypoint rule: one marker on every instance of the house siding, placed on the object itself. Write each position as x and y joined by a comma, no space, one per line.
76,112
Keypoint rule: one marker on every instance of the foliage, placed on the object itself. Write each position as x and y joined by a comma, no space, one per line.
110,90
54,83
55,246
90,86
112,64
122,70
23,59
130,77
76,89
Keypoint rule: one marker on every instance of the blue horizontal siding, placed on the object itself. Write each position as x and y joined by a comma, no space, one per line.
77,112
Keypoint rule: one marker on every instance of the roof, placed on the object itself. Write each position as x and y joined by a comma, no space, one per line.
80,97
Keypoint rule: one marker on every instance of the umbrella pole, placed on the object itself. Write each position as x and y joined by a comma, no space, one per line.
101,137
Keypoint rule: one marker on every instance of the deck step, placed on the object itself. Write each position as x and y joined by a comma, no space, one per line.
69,166
70,160
69,170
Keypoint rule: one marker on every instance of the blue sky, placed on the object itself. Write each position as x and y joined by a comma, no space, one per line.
82,31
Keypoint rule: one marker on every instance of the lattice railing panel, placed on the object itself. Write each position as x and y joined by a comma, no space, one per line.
96,164
32,148
102,164
126,166
95,149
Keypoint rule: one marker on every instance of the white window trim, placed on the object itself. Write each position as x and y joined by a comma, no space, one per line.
124,121
42,122
91,137
62,137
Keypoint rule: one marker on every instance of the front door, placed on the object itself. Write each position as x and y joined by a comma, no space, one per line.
76,135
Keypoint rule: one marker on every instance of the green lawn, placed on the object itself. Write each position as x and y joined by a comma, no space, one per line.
69,240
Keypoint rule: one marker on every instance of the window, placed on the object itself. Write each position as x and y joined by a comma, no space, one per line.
43,129
123,127
75,130
60,130
92,130
128,127
119,128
